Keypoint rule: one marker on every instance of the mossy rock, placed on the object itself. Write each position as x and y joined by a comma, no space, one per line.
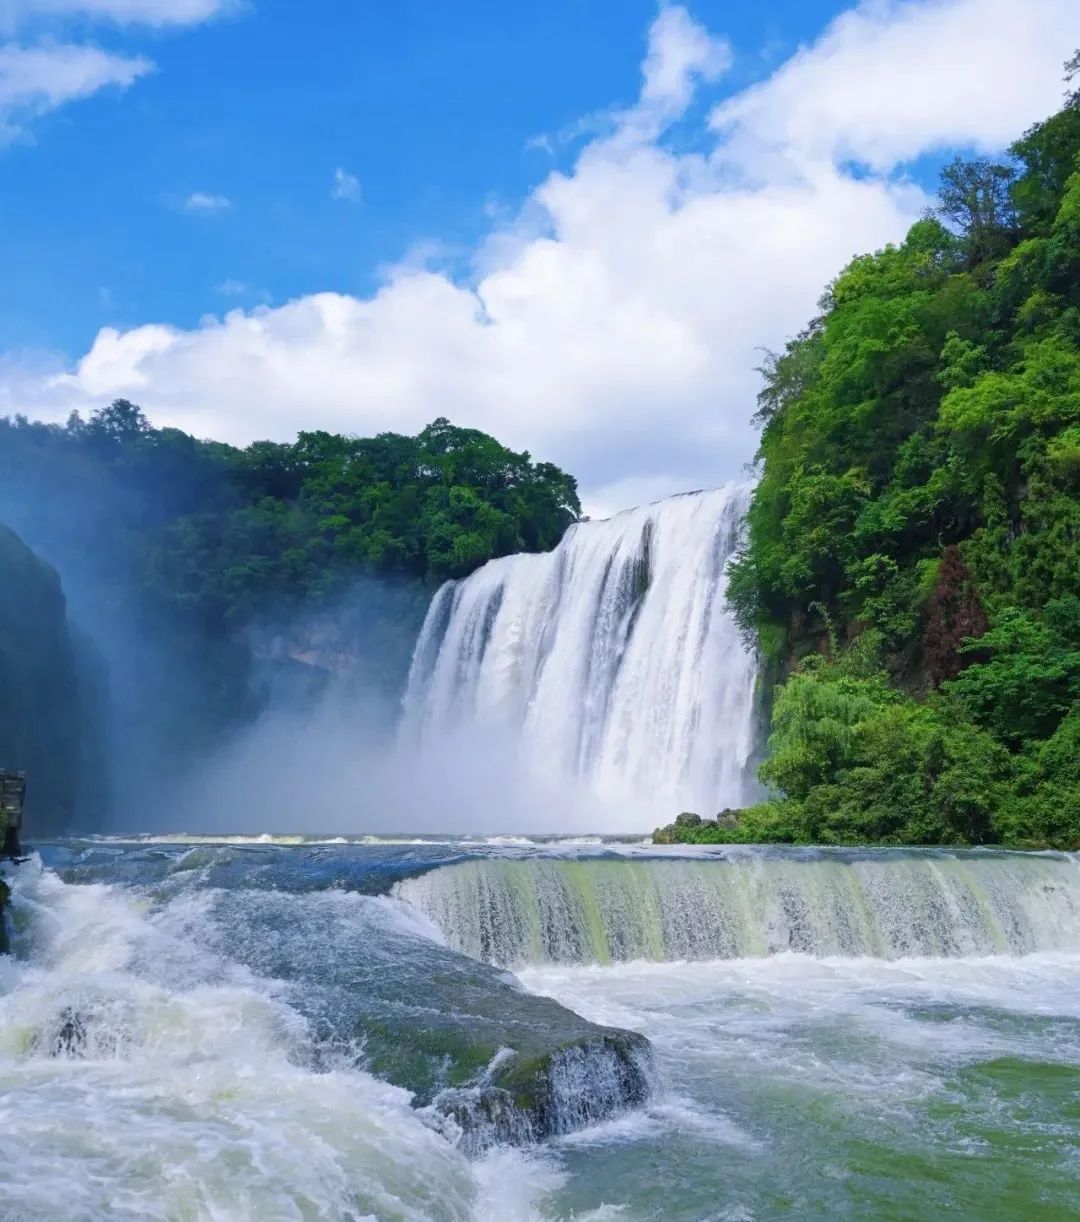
692,829
462,1036
529,1098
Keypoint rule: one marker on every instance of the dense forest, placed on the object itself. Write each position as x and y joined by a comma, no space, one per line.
205,573
912,567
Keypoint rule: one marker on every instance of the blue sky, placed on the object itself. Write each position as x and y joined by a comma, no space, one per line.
553,221
430,106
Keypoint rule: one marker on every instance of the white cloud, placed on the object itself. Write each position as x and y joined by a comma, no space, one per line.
680,54
346,186
35,80
156,13
613,327
232,288
890,80
205,202
40,73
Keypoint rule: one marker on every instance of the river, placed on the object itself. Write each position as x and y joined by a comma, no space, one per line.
232,1028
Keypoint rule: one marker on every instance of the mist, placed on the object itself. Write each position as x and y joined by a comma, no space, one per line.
341,767
170,695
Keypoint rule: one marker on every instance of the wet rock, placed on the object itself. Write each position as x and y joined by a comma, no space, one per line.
65,1036
527,1099
677,832
92,1030
502,1064
692,829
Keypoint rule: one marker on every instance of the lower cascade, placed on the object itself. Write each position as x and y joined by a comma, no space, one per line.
613,660
888,905
252,1028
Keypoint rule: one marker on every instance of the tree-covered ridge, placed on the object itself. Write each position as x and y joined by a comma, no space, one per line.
225,530
918,503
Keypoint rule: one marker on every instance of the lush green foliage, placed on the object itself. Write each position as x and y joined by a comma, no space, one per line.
920,472
223,530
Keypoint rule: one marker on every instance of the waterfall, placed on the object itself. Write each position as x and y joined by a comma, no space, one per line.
886,904
612,661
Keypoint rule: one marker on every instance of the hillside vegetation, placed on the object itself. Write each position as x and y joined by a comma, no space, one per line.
912,568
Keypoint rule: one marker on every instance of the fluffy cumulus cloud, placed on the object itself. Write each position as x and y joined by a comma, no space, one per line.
890,80
615,325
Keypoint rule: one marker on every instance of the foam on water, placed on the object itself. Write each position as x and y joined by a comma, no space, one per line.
161,1055
144,1077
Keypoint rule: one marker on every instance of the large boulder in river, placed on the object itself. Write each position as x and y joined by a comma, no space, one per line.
526,1098
492,1062
523,1069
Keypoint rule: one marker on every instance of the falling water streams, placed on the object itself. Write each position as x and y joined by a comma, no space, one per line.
613,660
751,904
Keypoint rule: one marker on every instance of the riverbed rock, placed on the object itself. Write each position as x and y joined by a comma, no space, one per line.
526,1099
692,829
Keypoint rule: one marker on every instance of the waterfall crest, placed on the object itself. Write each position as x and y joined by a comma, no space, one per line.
887,905
612,661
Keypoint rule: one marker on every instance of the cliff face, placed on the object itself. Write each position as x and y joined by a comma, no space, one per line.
42,718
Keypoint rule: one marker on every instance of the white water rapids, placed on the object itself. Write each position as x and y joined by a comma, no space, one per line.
900,1040
612,663
144,1076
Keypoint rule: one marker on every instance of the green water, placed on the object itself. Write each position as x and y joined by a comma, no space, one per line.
800,1088
240,1003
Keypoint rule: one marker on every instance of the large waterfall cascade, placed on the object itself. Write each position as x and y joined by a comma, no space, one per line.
612,660
885,905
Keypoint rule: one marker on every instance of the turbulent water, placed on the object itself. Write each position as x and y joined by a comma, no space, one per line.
213,1030
612,661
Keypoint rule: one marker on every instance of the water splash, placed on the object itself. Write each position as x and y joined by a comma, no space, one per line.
613,661
885,905
147,1077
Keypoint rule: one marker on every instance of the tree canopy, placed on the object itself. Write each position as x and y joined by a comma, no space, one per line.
919,503
219,530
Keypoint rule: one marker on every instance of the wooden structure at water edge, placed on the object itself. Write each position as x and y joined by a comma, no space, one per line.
12,797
